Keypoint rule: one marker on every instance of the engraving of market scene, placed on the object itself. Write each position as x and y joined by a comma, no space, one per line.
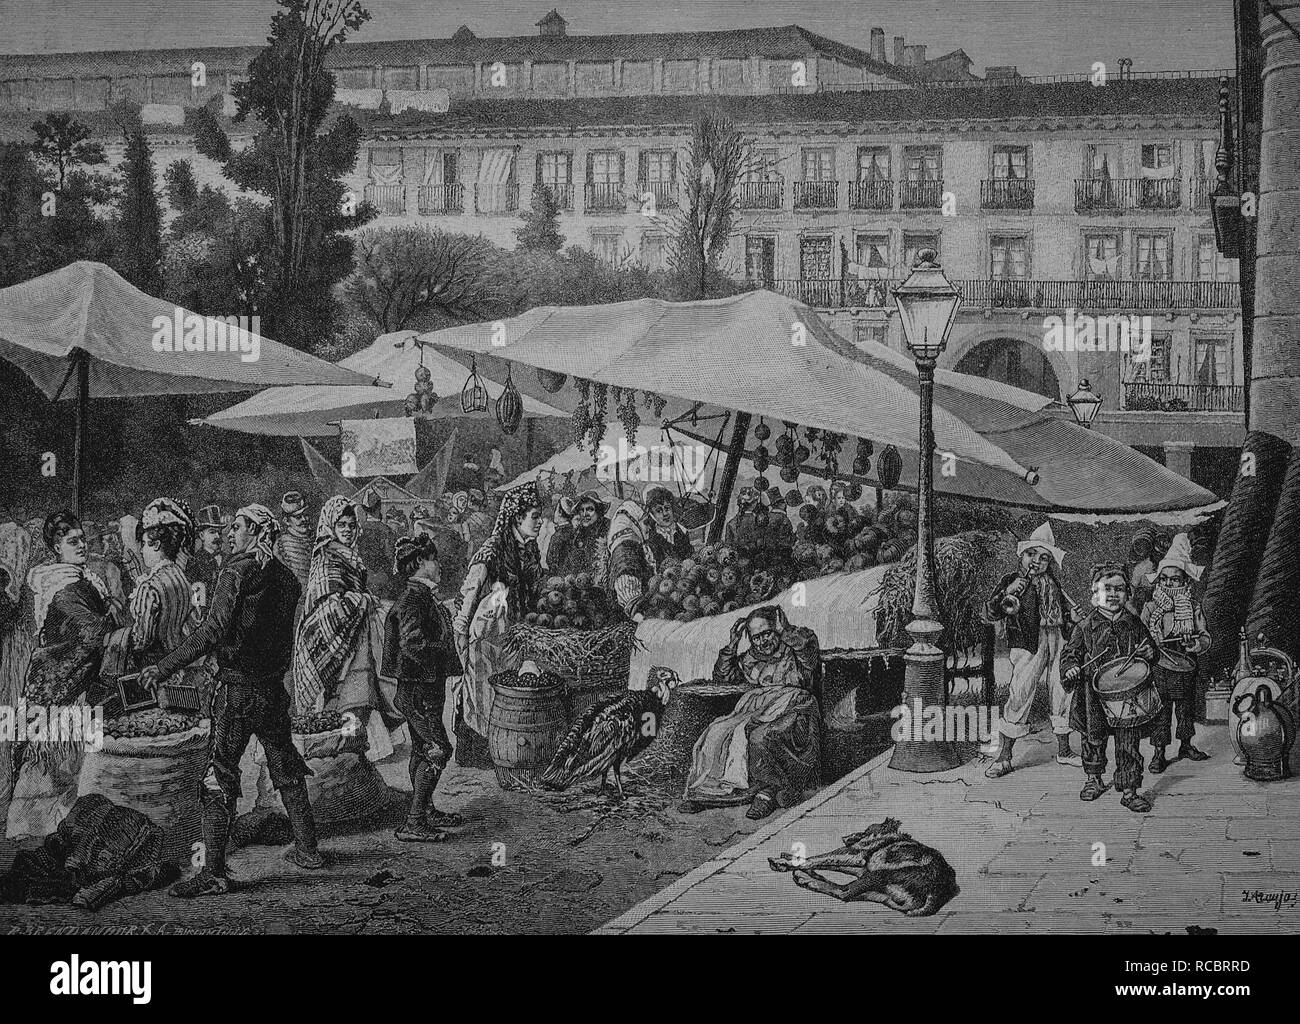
823,468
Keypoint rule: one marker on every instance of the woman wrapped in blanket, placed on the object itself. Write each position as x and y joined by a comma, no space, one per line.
72,616
340,634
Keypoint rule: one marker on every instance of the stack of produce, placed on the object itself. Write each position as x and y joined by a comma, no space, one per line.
718,580
152,722
850,538
574,602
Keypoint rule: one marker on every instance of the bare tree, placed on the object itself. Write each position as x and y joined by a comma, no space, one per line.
719,156
407,276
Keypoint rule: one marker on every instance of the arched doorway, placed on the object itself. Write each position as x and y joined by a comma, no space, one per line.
1012,362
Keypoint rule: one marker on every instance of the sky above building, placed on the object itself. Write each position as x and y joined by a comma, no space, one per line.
1041,38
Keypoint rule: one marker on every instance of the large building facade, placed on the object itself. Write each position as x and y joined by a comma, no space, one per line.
1043,199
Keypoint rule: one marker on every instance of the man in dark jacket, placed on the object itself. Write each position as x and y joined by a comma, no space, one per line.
1110,631
249,627
575,547
376,545
665,536
759,533
420,650
1035,635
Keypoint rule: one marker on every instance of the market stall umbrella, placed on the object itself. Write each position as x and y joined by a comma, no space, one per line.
761,354
86,320
316,412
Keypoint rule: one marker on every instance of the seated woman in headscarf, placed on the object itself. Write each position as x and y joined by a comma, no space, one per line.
72,616
340,635
628,563
768,751
499,590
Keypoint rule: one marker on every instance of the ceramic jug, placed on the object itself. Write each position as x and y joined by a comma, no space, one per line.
1264,734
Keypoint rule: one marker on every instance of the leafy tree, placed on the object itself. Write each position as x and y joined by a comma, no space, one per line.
138,228
63,142
540,231
718,157
414,277
298,159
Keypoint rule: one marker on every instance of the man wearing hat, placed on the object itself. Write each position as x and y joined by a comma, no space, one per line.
294,545
205,562
1173,618
1036,632
575,547
377,547
765,537
666,538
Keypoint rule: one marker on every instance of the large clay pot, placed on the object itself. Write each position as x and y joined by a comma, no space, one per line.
1243,687
1265,733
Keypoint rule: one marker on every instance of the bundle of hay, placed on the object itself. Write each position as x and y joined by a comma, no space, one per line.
966,568
575,654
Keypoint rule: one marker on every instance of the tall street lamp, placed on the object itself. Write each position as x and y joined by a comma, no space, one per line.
1084,403
927,306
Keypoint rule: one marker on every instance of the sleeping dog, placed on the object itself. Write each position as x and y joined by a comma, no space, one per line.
890,867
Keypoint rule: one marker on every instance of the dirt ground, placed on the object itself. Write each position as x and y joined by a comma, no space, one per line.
567,863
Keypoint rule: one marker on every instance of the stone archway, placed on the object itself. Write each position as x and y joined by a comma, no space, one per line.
1015,362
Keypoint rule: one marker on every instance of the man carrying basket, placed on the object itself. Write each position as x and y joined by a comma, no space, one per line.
1111,644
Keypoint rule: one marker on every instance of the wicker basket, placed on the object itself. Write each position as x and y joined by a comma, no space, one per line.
593,663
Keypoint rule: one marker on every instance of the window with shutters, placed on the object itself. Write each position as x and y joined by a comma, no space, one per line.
1009,257
1152,257
657,178
914,243
1154,370
608,247
654,251
555,172
1157,156
1010,163
872,251
1213,359
1101,260
922,177
1211,265
604,190
815,260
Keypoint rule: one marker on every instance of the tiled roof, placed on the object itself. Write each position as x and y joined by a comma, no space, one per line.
786,42
1193,99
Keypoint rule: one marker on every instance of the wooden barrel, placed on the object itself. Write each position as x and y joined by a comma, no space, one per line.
524,730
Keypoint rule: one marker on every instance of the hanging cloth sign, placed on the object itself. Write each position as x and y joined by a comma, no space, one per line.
378,447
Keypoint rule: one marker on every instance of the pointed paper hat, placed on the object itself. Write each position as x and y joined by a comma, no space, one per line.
1179,556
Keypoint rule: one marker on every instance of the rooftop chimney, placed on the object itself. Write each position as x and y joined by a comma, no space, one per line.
898,50
878,45
914,56
553,24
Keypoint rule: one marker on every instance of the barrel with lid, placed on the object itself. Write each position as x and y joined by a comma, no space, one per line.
524,730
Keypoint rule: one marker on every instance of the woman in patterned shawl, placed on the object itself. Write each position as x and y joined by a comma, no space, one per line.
71,617
15,640
500,588
340,633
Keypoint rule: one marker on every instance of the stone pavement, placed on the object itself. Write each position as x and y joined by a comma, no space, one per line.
1024,848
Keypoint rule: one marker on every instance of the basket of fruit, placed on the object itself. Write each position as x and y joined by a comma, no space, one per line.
576,632
152,761
717,581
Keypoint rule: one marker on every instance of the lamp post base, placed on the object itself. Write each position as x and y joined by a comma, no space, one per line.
924,687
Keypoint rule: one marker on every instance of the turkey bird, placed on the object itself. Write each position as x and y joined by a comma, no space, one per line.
610,733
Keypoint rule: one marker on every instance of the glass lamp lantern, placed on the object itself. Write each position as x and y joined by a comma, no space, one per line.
927,307
474,396
1085,404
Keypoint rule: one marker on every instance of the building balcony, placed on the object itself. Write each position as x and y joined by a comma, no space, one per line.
664,193
1149,396
1027,294
816,195
433,200
389,200
604,197
760,195
563,193
496,199
922,195
871,195
1007,194
1126,195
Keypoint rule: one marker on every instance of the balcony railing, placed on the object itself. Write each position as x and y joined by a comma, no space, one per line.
1118,195
563,193
922,195
871,195
1007,194
760,195
816,195
387,199
664,193
497,198
604,197
1111,296
1146,396
436,199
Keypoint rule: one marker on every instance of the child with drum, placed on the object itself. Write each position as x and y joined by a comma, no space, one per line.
1174,618
1107,664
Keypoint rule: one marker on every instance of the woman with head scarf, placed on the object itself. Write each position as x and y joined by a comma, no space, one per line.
340,634
500,588
161,606
15,640
72,616
628,562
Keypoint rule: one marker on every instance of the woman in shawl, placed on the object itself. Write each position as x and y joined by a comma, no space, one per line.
500,588
72,616
15,640
161,606
340,634
627,563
